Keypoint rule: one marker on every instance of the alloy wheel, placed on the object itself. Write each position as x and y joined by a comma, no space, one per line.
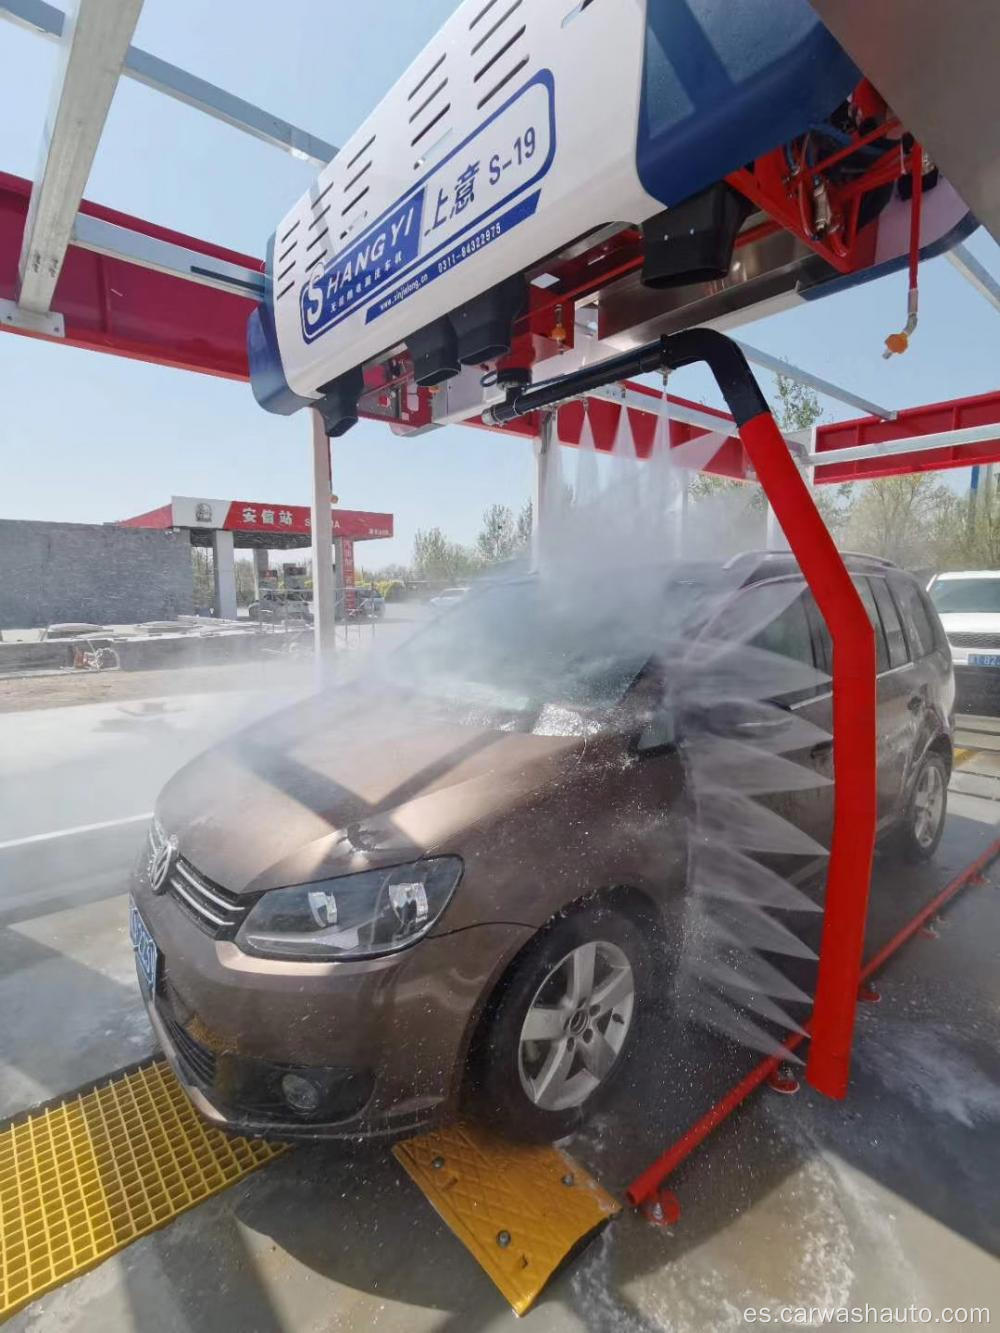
928,805
576,1026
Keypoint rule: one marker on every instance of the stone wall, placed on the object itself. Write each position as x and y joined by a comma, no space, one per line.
52,572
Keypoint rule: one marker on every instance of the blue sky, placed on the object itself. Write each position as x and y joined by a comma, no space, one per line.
91,438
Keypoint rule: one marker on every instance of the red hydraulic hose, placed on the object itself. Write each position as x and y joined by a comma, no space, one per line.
854,810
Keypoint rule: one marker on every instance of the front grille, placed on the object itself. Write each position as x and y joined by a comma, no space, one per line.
217,911
962,639
198,1059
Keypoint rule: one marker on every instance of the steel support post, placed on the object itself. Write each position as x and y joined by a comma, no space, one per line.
260,567
324,594
223,574
338,574
542,443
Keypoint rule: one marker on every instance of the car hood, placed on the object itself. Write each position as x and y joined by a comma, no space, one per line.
315,792
970,622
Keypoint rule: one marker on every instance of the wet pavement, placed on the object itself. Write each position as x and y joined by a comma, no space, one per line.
888,1198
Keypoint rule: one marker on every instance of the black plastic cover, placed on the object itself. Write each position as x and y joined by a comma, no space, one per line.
693,242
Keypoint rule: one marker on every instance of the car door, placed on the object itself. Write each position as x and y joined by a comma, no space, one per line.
933,694
792,633
892,717
907,695
895,720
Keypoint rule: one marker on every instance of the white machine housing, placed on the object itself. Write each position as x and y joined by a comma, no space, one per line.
549,88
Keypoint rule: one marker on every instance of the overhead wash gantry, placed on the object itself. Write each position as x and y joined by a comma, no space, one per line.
495,241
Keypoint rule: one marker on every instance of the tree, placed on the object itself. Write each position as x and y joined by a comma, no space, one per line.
797,409
967,531
201,569
911,519
246,582
524,527
798,406
498,538
434,557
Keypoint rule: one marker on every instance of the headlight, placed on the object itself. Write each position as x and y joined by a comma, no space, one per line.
354,916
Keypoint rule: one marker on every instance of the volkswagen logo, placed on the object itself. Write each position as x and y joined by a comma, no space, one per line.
161,863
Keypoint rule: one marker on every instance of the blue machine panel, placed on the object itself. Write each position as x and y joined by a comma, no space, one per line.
724,81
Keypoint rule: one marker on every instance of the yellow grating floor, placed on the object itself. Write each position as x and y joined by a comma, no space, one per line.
85,1178
519,1209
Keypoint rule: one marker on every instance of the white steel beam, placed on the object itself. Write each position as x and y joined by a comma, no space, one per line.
975,274
779,367
171,80
179,261
642,402
94,41
912,444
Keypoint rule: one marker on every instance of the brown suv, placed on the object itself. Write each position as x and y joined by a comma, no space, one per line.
460,879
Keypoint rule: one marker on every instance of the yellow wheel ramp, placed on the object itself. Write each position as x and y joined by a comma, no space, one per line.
85,1178
519,1209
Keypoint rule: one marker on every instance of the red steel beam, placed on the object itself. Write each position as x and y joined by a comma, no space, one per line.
980,410
110,305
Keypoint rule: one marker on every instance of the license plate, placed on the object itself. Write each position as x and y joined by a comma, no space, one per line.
147,955
984,659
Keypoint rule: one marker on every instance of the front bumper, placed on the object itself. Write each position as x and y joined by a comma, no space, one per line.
977,688
384,1040
245,1095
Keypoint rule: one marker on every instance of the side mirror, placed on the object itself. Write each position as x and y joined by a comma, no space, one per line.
658,733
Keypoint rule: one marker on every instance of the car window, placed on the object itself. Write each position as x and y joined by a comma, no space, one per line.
881,651
950,595
789,634
891,624
919,627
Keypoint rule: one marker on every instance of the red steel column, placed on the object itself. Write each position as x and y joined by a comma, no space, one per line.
854,752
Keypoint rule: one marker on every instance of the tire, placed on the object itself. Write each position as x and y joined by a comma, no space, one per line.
921,828
541,1089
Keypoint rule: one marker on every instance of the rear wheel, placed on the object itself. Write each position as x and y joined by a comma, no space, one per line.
923,823
561,1029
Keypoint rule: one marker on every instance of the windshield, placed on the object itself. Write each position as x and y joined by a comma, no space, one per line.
514,647
966,595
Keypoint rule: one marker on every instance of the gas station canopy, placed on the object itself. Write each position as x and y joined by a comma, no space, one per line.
255,523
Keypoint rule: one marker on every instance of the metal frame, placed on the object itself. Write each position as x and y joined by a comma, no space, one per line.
976,274
827,387
162,256
163,77
94,43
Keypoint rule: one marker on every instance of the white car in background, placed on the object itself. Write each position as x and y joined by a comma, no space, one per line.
449,597
968,602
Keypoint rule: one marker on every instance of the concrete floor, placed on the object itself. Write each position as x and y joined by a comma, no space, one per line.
889,1198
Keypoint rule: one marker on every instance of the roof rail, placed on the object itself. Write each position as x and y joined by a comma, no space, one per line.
875,559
